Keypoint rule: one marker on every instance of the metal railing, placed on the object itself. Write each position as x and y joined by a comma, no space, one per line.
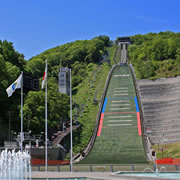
106,168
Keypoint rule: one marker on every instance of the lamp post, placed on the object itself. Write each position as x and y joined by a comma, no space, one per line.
10,113
160,148
71,165
11,139
161,152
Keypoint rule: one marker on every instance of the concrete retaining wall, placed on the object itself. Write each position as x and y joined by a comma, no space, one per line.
160,101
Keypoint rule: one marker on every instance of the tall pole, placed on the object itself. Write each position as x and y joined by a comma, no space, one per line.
71,164
22,111
9,113
179,65
46,119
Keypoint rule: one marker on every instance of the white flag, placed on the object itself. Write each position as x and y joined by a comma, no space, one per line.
14,86
44,77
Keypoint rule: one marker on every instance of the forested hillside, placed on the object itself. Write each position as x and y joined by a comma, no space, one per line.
155,55
89,62
152,55
11,63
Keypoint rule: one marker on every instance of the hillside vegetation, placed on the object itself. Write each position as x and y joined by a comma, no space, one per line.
90,64
155,55
152,55
11,63
90,61
167,150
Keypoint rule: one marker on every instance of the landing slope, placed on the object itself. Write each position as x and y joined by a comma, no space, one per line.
119,136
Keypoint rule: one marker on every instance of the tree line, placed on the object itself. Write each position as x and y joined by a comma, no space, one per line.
155,55
75,55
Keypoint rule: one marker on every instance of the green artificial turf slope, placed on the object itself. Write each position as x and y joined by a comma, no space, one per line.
119,142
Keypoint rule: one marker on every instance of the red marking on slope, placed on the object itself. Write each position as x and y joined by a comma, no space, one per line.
139,124
100,124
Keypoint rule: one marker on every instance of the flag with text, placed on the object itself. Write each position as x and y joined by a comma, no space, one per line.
17,84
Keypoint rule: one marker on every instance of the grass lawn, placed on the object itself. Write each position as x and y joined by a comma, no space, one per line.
171,150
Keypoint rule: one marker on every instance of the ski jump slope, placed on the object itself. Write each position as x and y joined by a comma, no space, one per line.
119,135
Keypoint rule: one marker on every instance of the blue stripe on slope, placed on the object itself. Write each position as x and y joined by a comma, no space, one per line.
104,106
136,102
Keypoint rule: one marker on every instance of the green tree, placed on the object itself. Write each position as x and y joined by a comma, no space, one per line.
105,39
138,39
158,50
178,60
8,52
34,108
35,67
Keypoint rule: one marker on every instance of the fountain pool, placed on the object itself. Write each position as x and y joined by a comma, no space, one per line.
164,175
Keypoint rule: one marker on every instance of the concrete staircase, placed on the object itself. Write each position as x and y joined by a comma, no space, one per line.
161,109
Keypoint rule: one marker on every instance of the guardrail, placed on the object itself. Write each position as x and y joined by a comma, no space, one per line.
107,168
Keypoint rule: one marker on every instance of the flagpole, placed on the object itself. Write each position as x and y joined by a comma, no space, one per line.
21,111
71,164
46,120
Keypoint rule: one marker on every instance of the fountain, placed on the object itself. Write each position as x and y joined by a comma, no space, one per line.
150,173
157,171
15,165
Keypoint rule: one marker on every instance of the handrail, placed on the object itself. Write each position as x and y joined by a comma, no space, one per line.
62,134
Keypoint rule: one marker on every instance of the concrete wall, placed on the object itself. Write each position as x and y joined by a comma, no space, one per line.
161,109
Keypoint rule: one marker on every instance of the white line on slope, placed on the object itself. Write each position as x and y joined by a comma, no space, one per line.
119,116
119,120
120,101
125,94
118,108
119,124
122,88
120,104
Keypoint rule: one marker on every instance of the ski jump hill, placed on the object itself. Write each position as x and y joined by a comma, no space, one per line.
133,115
117,138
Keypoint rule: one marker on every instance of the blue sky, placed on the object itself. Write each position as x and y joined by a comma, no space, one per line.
37,25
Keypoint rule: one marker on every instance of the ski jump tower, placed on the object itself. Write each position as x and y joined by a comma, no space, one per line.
123,44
